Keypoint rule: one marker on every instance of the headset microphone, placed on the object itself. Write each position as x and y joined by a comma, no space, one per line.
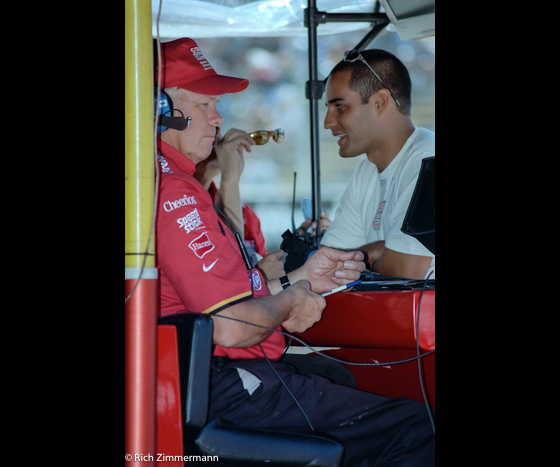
165,116
176,123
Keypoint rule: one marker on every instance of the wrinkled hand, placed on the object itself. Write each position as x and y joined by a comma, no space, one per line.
230,149
329,268
307,310
325,222
271,265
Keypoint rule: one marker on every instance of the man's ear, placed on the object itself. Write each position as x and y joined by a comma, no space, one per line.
381,99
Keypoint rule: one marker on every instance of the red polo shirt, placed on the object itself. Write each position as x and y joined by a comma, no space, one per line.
201,265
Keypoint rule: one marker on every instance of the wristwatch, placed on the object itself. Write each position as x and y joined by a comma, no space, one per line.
285,282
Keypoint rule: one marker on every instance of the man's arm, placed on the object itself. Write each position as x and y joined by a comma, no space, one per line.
326,269
229,150
296,309
388,262
372,251
394,263
271,265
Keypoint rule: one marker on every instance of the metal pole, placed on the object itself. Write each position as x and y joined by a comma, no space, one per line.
314,92
138,127
323,17
141,309
315,88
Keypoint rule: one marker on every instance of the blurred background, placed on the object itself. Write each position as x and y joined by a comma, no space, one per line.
277,69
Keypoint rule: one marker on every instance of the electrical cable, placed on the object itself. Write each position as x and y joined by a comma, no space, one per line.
240,242
329,357
294,205
420,377
287,389
287,347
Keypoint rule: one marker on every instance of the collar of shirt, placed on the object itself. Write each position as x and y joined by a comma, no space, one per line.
182,162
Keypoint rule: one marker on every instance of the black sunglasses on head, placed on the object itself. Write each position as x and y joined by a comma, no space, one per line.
354,55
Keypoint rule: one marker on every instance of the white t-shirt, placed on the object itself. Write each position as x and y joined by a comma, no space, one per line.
374,204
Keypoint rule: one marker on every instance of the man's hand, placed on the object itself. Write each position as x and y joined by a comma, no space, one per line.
307,310
325,222
328,268
297,309
271,265
230,149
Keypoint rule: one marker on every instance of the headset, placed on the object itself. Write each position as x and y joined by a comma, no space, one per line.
164,113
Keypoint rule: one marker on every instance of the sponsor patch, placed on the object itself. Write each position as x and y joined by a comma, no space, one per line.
164,165
201,245
190,222
256,278
169,206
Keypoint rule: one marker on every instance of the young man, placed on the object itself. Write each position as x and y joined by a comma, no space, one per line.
368,97
202,270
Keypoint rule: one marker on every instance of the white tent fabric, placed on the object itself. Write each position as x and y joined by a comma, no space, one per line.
234,18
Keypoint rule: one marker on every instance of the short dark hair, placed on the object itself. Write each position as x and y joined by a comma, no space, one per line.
389,68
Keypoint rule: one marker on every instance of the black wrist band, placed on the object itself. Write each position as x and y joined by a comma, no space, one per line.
285,282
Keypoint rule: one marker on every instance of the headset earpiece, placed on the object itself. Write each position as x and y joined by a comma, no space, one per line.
164,114
164,107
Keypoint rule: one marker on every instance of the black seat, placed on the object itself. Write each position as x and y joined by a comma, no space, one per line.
420,219
234,445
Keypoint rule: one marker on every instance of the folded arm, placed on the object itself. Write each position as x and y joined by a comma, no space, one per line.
296,309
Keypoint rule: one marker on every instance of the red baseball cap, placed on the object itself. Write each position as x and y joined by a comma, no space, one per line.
183,65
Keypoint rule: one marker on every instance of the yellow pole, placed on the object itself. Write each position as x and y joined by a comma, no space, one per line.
139,138
141,308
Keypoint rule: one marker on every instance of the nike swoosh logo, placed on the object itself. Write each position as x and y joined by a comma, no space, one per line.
207,268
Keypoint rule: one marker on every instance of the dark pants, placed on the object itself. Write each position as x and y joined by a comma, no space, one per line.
318,365
377,431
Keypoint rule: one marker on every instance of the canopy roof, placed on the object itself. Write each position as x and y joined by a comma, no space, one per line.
231,18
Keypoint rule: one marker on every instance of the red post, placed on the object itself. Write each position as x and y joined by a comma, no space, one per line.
141,312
